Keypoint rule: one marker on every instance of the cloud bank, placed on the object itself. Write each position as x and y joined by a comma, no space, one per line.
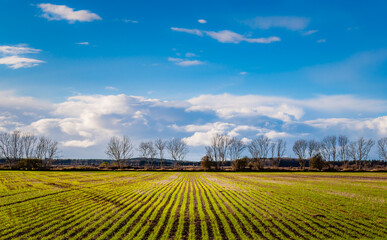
83,124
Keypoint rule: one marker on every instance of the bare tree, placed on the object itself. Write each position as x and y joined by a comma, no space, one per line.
219,146
223,146
253,148
127,148
343,147
236,148
41,148
5,147
52,150
328,148
259,149
148,151
299,148
120,149
29,144
46,150
359,150
382,148
160,145
272,149
178,150
263,143
281,149
313,147
16,145
209,152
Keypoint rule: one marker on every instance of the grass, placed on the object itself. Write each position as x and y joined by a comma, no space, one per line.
192,205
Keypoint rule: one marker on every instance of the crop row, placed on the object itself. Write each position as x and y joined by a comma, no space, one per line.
162,205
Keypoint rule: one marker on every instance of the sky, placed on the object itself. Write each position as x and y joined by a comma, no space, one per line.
84,71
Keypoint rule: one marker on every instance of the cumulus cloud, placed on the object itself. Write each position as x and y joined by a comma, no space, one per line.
88,121
285,109
63,12
229,106
288,22
227,36
377,125
83,43
321,41
202,134
202,21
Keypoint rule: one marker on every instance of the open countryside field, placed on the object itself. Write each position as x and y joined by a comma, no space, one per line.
189,205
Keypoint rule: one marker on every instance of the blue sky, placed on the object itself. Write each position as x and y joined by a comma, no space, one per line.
82,71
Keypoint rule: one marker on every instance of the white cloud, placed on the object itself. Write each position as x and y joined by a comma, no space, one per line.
288,22
83,43
16,50
321,41
171,59
310,32
130,21
273,134
189,63
230,106
12,59
202,134
202,21
190,31
185,63
379,124
285,109
243,73
78,143
63,12
84,123
16,62
190,55
111,88
227,36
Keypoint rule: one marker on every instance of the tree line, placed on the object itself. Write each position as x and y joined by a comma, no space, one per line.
30,151
331,148
122,149
25,150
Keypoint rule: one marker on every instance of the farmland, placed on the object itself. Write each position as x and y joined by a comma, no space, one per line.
189,205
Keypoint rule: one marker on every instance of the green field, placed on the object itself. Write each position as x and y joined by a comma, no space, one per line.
184,205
